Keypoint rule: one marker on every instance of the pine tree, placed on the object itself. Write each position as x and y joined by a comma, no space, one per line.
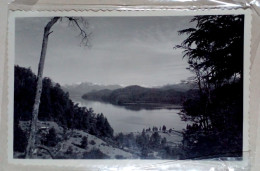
163,142
164,128
84,142
155,140
51,138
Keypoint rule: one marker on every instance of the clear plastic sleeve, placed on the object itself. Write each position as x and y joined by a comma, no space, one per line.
13,10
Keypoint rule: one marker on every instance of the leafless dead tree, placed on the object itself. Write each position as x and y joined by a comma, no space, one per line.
78,23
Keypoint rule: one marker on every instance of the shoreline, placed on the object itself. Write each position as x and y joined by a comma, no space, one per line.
140,105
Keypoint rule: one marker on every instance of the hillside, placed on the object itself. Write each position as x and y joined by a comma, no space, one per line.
68,131
68,144
56,106
138,95
60,143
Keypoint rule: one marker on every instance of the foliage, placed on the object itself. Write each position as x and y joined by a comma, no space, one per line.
95,154
103,127
164,128
137,94
146,145
163,142
215,47
20,138
51,138
172,153
119,157
92,142
214,51
142,140
84,142
155,140
69,150
55,106
24,91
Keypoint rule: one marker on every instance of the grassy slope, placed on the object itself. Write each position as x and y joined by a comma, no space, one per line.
74,138
74,141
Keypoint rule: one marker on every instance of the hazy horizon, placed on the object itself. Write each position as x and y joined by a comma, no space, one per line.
124,51
121,85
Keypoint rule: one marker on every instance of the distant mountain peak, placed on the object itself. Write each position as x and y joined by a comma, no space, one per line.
133,86
80,88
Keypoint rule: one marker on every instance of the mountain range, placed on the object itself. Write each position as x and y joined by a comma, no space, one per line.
132,95
86,87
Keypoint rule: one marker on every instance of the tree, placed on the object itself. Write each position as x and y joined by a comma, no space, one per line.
144,152
95,154
164,128
163,142
142,140
214,48
103,127
69,150
84,142
80,24
155,140
214,51
20,139
51,138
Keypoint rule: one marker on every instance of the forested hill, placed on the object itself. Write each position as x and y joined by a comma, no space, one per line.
138,94
55,106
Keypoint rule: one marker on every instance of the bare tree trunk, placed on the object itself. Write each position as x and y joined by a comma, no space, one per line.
33,130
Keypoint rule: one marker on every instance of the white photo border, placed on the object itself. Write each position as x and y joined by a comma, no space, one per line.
130,163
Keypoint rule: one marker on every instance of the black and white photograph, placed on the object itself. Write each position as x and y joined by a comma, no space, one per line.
129,87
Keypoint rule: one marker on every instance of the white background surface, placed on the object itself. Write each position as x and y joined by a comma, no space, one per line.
255,87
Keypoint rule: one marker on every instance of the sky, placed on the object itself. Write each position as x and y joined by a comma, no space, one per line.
123,50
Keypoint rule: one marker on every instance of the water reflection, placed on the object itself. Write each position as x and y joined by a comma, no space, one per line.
133,118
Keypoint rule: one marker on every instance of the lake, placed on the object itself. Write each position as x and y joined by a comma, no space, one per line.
124,119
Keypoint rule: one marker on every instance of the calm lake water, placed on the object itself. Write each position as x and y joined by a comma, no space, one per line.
125,120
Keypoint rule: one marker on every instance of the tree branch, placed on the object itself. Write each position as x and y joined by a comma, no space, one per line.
49,33
46,149
82,25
